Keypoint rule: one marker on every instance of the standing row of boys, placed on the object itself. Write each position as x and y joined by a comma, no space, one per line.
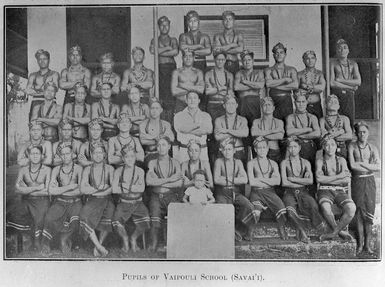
132,138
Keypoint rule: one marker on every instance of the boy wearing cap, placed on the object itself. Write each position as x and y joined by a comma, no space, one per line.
35,138
62,217
165,178
75,73
192,123
229,177
152,129
304,126
95,129
364,160
48,113
336,126
296,177
312,81
196,41
136,111
263,176
229,42
129,185
32,182
106,76
333,175
281,81
124,138
186,79
270,128
37,80
78,113
219,83
345,79
65,128
167,51
250,84
189,167
231,125
106,111
97,212
139,76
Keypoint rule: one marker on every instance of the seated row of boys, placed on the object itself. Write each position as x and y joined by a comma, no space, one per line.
165,176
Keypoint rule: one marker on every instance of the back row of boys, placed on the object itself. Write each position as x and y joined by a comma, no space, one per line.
225,78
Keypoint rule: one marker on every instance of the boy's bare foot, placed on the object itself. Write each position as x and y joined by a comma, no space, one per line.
134,246
45,251
65,246
368,250
282,233
328,236
96,252
345,235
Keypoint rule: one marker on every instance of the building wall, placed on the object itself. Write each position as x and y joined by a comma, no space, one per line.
47,30
297,27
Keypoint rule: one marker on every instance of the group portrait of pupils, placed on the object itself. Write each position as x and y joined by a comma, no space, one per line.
115,154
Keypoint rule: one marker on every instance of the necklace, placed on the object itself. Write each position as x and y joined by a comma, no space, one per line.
71,171
132,177
299,119
361,148
343,69
93,181
310,79
227,177
160,170
34,172
263,124
292,170
260,168
337,123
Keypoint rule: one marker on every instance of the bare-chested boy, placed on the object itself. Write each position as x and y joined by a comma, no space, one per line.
312,81
152,129
218,84
281,81
48,113
250,85
136,111
138,76
296,177
78,113
165,178
333,175
97,212
32,182
62,217
232,125
167,51
106,76
95,129
186,79
263,176
194,164
192,123
106,111
124,138
35,139
270,128
65,128
75,73
304,126
196,41
335,125
129,185
37,80
230,42
345,79
229,177
364,160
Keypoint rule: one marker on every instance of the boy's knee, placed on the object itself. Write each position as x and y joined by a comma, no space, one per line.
350,209
326,208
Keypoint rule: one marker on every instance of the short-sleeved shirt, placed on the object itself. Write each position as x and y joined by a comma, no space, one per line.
198,195
184,117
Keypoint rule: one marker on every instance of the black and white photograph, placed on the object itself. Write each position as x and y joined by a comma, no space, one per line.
197,133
